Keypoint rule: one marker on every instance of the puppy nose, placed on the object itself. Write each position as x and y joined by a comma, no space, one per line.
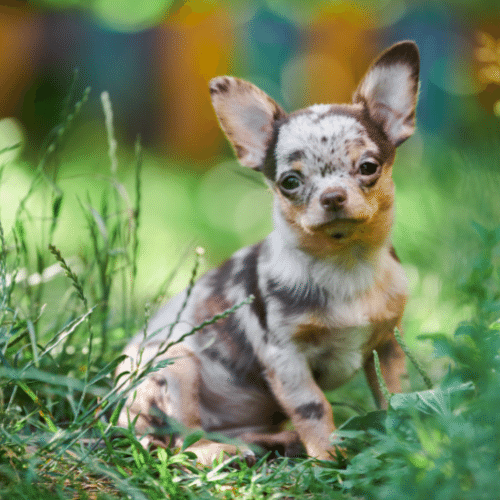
334,199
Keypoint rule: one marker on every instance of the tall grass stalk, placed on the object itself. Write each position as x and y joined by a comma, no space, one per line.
413,360
381,382
137,212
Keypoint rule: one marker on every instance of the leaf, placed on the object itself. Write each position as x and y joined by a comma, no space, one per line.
466,329
192,438
71,383
56,206
340,434
481,230
108,369
443,344
433,401
159,365
495,325
101,225
372,420
34,347
21,232
117,411
10,148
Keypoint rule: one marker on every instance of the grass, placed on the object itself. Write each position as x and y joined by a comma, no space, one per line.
86,256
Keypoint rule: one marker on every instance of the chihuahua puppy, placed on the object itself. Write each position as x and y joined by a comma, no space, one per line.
328,288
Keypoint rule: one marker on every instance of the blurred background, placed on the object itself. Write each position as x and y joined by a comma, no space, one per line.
155,58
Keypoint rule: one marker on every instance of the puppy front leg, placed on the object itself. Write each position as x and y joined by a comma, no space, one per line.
304,402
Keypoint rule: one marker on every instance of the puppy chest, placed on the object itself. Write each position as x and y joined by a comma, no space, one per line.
334,354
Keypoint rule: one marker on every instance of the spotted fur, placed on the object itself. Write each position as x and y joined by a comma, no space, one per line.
328,288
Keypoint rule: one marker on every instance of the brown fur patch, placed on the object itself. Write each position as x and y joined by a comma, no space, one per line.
355,148
207,309
394,255
312,332
239,150
297,165
291,212
385,304
213,305
247,277
185,371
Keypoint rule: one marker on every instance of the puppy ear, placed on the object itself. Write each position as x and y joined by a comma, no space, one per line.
246,115
389,90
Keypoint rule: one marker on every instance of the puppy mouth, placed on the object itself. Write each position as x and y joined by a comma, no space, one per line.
339,235
339,229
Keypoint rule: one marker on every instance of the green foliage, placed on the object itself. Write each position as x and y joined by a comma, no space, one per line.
441,443
482,282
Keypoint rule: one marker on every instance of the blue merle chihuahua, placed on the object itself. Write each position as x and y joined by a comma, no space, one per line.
328,288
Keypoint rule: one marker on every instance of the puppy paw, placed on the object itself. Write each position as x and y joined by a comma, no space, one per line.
207,452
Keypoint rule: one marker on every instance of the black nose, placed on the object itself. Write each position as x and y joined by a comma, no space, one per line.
333,199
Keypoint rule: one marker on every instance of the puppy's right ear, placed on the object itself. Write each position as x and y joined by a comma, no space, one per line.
246,115
389,90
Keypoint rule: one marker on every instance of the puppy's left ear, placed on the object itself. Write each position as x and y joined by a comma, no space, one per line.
247,116
389,90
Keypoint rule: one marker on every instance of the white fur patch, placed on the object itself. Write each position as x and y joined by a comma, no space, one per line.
389,85
344,354
296,268
305,133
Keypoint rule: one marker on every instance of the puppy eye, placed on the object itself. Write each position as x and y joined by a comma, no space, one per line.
291,182
368,168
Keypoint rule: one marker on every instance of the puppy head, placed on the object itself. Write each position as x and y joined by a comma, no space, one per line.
329,165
